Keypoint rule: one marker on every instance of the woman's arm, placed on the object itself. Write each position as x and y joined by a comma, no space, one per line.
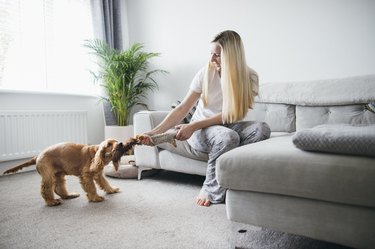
186,130
175,116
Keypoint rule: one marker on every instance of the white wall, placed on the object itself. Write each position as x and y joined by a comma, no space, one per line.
284,39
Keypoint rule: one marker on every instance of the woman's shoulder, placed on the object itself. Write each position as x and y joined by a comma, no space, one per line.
200,73
197,82
206,70
202,70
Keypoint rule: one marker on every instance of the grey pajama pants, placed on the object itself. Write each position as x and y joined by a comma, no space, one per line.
218,139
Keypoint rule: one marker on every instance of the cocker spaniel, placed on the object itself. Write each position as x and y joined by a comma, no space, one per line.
84,161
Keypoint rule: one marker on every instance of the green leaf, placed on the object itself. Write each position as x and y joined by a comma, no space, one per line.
124,75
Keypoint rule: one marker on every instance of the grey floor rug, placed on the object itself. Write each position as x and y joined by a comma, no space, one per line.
156,212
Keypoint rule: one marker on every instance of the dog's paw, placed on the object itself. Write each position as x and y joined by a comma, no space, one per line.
70,196
113,191
96,199
54,202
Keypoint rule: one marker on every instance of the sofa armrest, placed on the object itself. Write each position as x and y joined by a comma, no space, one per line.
143,121
146,120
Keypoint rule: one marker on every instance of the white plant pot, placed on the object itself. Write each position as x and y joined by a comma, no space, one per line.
120,133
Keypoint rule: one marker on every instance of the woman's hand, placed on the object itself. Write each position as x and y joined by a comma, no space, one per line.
184,131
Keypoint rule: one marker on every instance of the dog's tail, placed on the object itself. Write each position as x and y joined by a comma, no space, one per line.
32,161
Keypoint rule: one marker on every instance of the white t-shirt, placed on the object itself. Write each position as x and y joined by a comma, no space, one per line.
215,95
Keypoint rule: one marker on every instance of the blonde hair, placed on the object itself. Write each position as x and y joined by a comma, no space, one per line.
236,84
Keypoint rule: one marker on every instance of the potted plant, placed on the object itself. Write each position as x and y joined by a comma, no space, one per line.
125,78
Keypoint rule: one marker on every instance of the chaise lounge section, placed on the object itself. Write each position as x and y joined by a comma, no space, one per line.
323,189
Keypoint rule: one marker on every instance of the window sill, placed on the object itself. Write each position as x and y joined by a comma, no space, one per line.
48,93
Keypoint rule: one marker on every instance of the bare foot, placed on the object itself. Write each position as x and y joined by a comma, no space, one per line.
202,200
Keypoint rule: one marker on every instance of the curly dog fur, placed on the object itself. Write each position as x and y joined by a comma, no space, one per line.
84,161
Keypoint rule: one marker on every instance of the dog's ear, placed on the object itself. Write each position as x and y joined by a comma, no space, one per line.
97,163
101,157
116,165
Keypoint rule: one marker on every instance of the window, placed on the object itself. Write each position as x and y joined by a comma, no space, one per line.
41,46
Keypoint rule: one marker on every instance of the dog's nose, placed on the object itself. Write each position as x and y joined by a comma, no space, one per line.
120,145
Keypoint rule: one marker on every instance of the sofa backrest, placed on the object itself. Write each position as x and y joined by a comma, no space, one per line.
280,117
310,116
291,106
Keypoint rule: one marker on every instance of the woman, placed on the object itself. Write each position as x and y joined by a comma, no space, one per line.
225,89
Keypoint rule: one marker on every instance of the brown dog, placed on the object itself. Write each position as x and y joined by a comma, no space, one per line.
85,161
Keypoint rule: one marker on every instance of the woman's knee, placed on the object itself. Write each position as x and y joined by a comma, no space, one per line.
224,140
256,132
228,139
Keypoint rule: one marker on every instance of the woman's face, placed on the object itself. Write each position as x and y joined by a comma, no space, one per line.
216,55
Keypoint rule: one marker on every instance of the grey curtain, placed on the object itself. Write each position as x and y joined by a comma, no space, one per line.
112,23
107,21
107,24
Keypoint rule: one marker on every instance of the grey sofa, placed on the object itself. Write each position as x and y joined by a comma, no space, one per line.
274,184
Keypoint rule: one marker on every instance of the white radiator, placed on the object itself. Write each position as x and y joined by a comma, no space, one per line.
24,134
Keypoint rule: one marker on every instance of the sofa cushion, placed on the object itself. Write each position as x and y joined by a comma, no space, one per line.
280,117
341,138
311,116
179,163
276,166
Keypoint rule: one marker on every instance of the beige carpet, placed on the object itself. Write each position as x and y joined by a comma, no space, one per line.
156,212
